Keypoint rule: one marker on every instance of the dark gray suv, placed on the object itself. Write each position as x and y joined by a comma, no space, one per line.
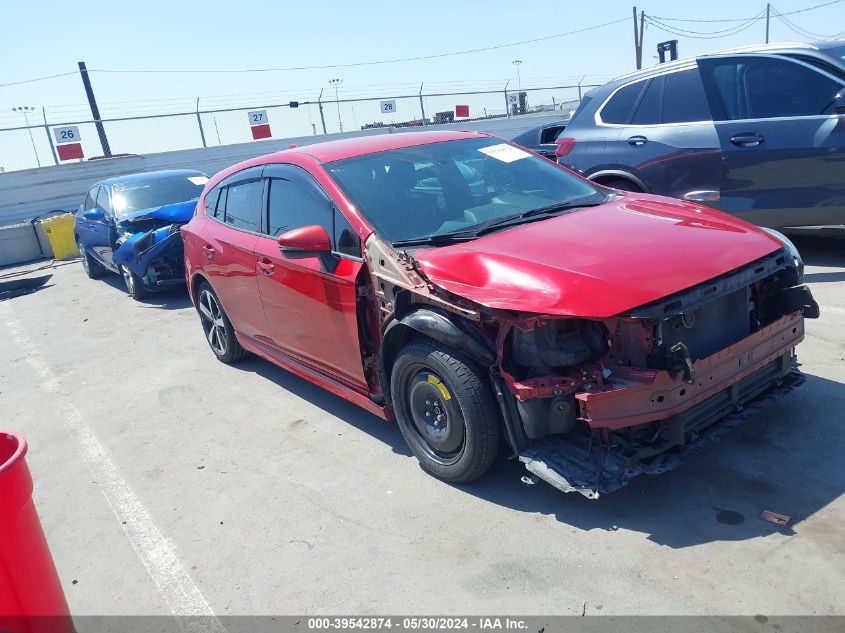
757,132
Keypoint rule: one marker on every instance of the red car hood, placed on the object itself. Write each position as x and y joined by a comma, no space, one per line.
598,262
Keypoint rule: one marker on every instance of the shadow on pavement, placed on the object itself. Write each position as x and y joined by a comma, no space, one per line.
787,459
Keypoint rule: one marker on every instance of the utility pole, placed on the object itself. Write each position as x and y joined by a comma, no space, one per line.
336,83
95,111
642,35
768,15
518,63
636,42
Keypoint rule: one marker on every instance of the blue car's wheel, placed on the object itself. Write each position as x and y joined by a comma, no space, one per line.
134,284
91,268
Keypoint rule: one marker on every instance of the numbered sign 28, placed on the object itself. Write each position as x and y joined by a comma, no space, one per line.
69,134
388,106
259,124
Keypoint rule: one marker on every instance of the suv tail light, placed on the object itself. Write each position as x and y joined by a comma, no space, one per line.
564,146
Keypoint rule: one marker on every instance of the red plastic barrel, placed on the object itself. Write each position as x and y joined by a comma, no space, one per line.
31,597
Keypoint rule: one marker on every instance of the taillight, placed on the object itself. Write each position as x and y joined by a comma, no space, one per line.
564,146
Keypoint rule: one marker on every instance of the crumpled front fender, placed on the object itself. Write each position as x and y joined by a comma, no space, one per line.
140,251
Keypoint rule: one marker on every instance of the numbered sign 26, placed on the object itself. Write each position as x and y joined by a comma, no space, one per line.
69,134
388,106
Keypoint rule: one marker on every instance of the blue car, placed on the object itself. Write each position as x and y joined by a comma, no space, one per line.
130,225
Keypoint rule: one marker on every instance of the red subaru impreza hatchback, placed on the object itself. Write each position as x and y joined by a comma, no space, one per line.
481,294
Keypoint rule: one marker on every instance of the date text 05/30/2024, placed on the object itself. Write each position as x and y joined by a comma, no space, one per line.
417,623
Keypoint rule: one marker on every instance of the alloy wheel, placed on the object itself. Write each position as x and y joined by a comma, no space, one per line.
130,281
83,255
213,322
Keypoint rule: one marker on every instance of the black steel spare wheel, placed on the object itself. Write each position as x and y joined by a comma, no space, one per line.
445,410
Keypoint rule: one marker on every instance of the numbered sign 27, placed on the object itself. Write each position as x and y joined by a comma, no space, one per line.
259,124
388,106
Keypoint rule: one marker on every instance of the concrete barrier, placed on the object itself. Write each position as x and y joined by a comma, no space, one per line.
32,193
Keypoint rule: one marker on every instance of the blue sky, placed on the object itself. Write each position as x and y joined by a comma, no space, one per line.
45,38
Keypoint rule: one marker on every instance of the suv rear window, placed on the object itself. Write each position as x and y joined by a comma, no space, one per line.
618,109
684,100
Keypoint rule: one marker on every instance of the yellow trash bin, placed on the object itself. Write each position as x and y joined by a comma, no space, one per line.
59,230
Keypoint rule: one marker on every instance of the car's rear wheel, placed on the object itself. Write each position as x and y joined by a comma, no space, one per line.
445,411
92,269
134,284
217,327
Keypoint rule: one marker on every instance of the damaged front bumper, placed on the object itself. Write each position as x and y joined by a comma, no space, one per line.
675,418
155,256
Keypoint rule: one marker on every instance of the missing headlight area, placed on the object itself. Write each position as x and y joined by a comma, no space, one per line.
601,400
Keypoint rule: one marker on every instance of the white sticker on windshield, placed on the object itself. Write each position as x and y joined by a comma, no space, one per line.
504,152
198,180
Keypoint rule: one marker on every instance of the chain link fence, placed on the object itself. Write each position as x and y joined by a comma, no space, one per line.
36,145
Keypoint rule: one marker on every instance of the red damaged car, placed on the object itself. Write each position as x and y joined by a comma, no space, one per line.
481,294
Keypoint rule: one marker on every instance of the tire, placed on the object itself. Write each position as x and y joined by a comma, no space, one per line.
134,284
92,269
216,325
622,184
445,410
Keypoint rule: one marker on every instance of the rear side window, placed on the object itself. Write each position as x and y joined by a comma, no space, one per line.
618,109
648,111
766,88
243,206
684,100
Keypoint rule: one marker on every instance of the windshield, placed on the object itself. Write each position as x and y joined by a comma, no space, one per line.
435,189
149,194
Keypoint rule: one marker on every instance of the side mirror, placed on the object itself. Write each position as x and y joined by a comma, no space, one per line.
839,102
306,241
94,215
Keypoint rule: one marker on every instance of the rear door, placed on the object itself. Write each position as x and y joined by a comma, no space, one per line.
310,303
670,142
229,249
783,146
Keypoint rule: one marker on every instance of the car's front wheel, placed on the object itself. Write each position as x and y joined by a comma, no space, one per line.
92,268
446,411
218,329
134,284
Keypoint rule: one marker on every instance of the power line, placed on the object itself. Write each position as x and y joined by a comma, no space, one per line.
369,63
800,30
704,35
710,20
29,81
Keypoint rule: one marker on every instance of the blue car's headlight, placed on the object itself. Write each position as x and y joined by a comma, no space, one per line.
791,249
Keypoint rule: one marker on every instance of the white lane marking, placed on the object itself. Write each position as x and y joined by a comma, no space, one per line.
156,553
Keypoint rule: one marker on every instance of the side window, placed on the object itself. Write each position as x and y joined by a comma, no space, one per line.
648,111
211,201
766,88
292,206
243,206
103,200
618,109
684,100
90,199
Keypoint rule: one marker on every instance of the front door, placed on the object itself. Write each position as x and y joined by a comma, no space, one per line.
783,147
100,235
310,303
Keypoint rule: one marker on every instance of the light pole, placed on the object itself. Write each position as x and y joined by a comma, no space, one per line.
24,110
518,63
336,83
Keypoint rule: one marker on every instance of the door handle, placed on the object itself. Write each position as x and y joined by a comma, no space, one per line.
637,140
747,139
266,267
208,252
